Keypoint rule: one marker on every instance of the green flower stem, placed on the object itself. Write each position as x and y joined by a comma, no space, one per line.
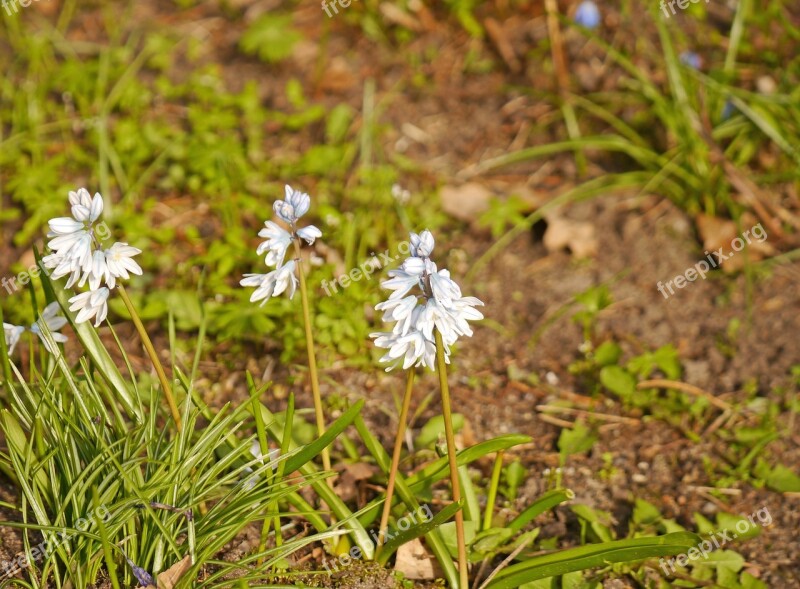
151,352
312,359
398,446
492,495
441,367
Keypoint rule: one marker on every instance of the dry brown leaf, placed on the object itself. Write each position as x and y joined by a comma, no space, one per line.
577,236
415,562
347,482
399,16
169,578
466,202
718,233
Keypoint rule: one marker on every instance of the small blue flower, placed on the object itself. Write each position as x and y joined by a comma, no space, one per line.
728,110
587,15
691,59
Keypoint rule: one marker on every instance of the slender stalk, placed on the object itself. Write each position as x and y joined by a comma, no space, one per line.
398,446
441,367
312,359
492,495
151,352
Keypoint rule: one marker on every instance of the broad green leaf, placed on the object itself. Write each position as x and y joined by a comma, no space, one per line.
591,556
448,531
645,512
421,529
439,468
548,583
618,380
607,353
544,503
750,582
514,477
727,559
704,525
783,480
740,527
434,429
576,440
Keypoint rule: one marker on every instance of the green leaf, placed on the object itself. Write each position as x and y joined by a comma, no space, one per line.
750,582
645,513
488,541
439,468
544,503
595,520
434,429
726,559
338,123
314,449
450,538
326,494
548,583
668,361
272,37
704,525
727,521
576,440
783,480
403,537
607,353
514,477
618,380
593,555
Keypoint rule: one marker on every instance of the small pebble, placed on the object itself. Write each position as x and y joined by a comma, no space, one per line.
709,508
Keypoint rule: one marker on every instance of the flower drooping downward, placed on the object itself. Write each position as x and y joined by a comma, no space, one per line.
283,278
436,303
588,14
76,251
49,320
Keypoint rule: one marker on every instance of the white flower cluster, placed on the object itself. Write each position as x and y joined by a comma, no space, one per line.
278,240
76,252
49,318
442,307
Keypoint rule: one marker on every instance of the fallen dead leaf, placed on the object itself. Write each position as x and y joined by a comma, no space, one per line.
719,233
400,17
347,484
415,562
466,202
577,236
169,578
